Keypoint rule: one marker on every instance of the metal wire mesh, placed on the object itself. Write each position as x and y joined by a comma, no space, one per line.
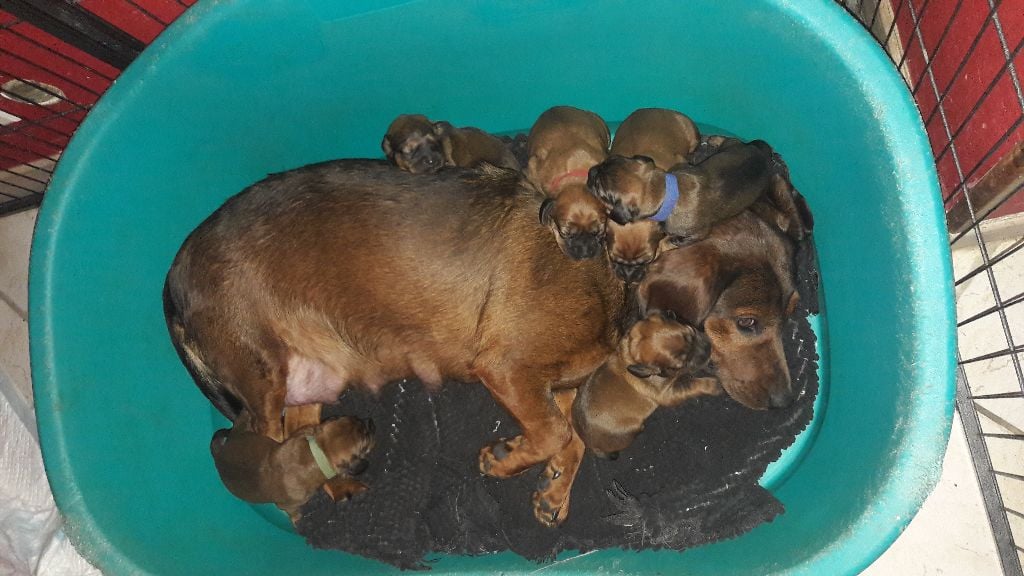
960,59
57,57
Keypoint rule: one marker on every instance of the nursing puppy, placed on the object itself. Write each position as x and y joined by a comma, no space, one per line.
738,286
668,138
257,469
355,273
417,145
660,362
563,144
688,199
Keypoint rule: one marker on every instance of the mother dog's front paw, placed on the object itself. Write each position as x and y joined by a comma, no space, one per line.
499,460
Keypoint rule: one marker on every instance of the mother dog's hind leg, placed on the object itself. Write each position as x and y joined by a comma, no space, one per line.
527,397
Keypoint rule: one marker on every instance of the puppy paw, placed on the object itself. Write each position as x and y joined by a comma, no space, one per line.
498,460
551,499
342,489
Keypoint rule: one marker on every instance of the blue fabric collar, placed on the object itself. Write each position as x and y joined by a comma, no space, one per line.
671,198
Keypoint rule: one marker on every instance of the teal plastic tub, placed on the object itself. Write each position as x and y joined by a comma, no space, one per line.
235,90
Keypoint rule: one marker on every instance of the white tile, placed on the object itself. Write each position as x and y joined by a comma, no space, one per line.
933,544
15,241
14,359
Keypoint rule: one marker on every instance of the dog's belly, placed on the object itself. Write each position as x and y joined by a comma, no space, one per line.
311,381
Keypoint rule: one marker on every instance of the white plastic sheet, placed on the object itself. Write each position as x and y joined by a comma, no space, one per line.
31,540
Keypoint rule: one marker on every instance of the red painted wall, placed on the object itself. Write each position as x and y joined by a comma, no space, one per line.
981,107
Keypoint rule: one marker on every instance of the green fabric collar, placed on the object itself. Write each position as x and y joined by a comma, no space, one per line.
321,458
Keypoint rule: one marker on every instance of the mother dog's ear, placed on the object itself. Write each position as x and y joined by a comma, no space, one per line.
690,280
546,208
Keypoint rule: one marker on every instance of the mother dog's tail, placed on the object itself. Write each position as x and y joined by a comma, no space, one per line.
188,352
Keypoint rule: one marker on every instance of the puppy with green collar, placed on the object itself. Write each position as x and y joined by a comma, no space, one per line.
257,469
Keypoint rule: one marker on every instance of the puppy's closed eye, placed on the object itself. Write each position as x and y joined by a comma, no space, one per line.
642,370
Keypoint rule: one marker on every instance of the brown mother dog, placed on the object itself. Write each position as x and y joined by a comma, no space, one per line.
417,145
738,286
356,273
563,144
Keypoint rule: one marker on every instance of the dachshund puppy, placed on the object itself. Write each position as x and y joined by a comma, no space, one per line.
688,199
632,247
417,145
660,362
257,469
563,144
668,138
665,136
356,273
783,206
738,285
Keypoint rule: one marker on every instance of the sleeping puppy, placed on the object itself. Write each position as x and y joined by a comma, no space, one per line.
738,286
632,247
417,145
563,144
688,199
660,362
665,136
668,138
257,469
783,206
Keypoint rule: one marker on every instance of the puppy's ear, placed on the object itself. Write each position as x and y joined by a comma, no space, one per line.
642,370
546,208
385,145
442,127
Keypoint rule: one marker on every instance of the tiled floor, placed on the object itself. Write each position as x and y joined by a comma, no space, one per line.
951,533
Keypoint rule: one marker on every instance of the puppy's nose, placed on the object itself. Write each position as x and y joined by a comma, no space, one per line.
583,246
782,398
620,215
357,466
630,272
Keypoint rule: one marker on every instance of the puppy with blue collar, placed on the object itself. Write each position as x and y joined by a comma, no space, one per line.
668,138
688,199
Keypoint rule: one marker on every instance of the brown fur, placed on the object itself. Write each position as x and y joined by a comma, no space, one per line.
668,138
417,145
356,273
722,186
660,362
782,206
563,144
738,286
257,469
632,247
665,136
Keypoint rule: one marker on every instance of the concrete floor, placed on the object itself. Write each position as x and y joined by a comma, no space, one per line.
951,533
